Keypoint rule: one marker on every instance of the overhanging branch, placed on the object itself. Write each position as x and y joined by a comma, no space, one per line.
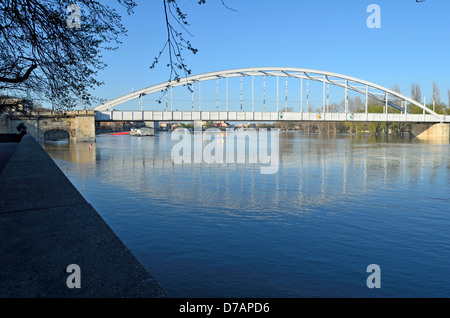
19,79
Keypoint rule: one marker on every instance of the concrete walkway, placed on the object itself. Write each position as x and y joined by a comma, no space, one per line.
46,225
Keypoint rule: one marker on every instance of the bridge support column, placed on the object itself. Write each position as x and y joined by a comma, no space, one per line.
430,132
152,124
198,125
84,127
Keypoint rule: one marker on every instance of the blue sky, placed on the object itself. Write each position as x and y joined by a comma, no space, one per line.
412,45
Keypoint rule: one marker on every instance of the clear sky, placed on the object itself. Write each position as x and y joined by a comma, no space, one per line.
412,45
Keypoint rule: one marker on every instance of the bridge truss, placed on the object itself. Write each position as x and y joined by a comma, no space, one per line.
385,96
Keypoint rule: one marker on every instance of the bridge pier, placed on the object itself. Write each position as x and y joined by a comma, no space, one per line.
432,132
198,125
152,124
79,125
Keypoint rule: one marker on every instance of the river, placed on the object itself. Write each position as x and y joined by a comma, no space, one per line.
337,204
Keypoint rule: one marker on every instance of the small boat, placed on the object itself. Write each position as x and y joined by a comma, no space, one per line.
144,131
121,133
134,132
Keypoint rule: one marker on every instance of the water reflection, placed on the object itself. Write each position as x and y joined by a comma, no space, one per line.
80,153
314,169
337,204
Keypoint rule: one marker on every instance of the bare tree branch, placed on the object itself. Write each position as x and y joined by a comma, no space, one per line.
41,55
176,43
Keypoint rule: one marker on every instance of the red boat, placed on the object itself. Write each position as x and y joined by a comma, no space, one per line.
121,133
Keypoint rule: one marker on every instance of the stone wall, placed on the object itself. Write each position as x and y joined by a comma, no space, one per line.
80,125
85,128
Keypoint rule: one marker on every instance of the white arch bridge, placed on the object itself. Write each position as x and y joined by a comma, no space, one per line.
395,105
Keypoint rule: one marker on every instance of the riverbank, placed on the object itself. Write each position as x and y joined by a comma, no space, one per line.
46,225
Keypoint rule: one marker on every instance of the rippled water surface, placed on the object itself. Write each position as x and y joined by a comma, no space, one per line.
336,205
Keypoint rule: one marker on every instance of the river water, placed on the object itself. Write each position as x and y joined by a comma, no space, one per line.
336,205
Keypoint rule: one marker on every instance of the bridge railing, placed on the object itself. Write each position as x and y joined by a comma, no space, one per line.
263,116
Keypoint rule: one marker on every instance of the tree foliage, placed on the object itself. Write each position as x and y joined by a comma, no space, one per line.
40,55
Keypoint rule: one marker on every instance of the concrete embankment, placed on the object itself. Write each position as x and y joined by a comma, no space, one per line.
432,132
46,225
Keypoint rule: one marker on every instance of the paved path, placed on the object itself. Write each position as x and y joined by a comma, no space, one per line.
46,225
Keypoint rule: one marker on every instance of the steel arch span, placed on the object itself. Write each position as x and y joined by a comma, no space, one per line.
369,89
